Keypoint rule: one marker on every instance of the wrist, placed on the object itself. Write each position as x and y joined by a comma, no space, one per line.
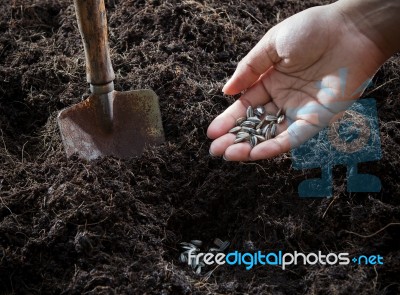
376,19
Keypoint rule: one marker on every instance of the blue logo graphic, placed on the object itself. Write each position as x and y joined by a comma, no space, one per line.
353,139
368,260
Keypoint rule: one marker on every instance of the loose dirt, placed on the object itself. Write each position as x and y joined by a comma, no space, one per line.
114,227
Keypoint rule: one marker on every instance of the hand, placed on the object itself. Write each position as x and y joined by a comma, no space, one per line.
312,66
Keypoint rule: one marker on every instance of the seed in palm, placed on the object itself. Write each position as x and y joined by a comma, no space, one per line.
257,126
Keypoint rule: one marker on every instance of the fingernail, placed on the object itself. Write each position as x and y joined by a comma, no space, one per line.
223,157
224,88
211,154
226,85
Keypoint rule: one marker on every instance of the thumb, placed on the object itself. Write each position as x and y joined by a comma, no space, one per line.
253,65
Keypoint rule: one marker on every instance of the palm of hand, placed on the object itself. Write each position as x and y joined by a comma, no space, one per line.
312,66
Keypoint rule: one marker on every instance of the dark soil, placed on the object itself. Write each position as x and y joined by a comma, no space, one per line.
114,227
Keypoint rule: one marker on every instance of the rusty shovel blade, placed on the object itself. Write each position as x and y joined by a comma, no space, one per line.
136,123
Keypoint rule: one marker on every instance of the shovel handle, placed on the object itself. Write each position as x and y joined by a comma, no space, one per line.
92,23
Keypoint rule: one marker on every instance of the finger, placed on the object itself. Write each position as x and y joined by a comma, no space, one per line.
218,146
295,135
225,121
238,152
252,66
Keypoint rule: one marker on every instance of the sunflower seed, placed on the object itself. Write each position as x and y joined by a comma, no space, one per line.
193,247
235,129
273,130
240,139
249,112
260,138
280,119
240,120
218,242
253,141
224,246
248,124
244,135
265,130
188,246
248,130
259,111
197,243
270,118
279,112
254,119
182,258
268,134
197,262
260,124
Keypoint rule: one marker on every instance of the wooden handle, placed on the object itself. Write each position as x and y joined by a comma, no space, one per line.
92,22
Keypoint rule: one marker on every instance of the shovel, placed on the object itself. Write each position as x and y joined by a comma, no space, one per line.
108,122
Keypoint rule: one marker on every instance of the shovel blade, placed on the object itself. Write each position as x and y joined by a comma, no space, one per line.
136,124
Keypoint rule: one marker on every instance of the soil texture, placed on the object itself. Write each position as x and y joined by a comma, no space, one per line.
114,226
